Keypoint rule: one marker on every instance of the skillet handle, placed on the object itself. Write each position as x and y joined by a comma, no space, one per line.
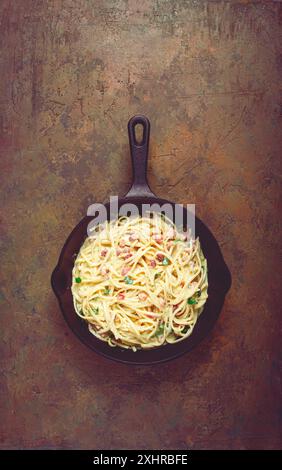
139,156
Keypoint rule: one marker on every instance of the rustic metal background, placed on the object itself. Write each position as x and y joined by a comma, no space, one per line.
206,73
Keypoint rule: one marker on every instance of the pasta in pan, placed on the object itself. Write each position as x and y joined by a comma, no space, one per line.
140,283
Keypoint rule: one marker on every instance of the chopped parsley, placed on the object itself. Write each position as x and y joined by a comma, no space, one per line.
95,310
107,291
128,280
192,301
160,330
165,261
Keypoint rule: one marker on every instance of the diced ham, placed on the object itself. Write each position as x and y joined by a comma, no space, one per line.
121,296
122,243
160,257
104,271
153,263
133,237
142,296
151,315
125,270
104,252
118,251
127,256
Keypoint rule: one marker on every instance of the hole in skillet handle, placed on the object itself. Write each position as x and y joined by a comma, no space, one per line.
139,134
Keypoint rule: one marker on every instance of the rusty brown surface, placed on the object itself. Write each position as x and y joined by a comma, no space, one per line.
206,73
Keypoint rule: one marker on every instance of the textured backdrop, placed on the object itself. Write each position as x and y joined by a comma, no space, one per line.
206,73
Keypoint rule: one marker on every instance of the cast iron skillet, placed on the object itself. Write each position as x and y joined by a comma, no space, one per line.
140,193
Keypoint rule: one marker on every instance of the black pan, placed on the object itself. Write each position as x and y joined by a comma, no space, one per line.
140,193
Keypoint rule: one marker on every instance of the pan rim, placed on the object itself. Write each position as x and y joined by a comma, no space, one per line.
111,356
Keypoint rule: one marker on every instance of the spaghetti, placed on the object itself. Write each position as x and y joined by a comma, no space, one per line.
140,283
